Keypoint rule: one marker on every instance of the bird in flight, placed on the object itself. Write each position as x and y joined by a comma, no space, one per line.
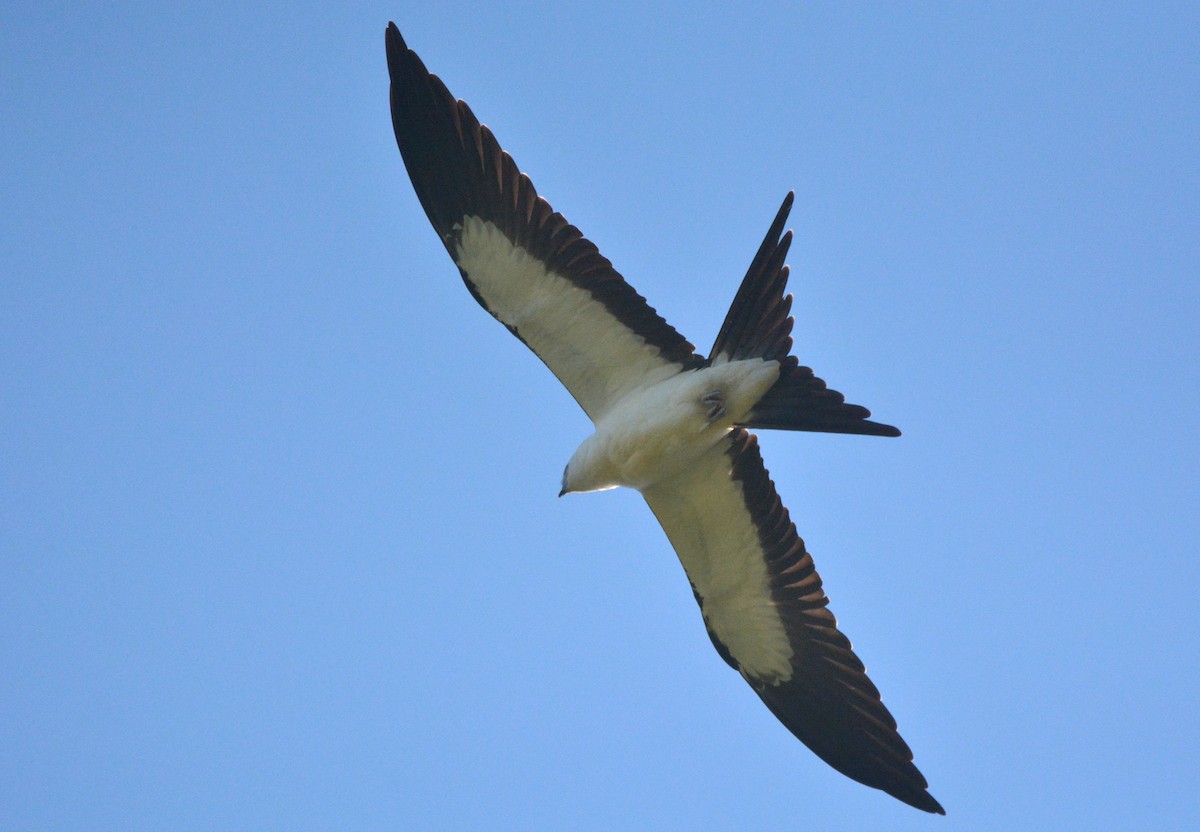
668,422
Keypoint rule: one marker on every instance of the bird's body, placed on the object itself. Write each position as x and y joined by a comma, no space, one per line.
668,422
655,431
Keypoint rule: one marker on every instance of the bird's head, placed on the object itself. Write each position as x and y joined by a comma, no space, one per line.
588,470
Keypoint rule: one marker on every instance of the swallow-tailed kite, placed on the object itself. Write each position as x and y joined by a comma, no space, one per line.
668,422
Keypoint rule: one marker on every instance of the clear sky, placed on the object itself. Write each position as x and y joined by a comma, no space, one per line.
279,540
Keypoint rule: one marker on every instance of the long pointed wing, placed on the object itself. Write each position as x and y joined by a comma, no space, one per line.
523,262
767,615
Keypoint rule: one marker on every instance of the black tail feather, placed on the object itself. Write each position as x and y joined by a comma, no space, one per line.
801,401
759,325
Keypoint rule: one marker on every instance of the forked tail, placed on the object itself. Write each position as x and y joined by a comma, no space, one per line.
759,326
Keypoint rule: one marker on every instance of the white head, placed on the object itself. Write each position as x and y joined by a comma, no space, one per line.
587,470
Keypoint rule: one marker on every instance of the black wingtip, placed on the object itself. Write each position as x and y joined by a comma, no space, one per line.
393,39
914,795
921,800
884,430
397,49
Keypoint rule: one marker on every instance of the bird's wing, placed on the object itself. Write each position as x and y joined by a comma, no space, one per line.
767,615
523,262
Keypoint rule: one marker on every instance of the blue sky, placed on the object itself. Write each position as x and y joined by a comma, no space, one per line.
278,528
